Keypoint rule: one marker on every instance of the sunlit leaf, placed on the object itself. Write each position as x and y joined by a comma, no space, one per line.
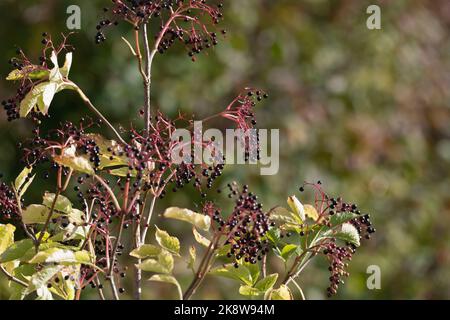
164,263
297,207
167,241
146,251
62,204
282,293
267,283
6,236
200,221
200,238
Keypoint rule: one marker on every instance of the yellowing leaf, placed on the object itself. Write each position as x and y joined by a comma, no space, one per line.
70,160
200,239
36,214
166,241
311,212
164,264
146,251
200,221
6,236
249,291
282,293
62,203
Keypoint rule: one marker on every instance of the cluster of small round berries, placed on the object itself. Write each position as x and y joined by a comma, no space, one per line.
245,228
27,71
338,258
195,36
8,202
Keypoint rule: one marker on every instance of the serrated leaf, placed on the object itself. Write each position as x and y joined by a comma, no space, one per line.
249,291
146,251
62,204
267,283
6,236
200,238
200,221
297,208
229,271
167,241
61,256
342,217
349,234
282,215
288,250
282,293
164,264
16,251
36,74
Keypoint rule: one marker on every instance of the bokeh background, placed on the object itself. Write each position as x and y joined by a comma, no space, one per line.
366,112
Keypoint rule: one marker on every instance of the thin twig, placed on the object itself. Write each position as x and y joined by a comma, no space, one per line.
12,278
98,113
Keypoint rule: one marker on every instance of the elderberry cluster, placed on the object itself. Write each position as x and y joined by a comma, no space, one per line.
181,20
245,228
8,203
338,258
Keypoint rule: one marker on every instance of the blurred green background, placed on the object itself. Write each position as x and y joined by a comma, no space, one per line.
367,112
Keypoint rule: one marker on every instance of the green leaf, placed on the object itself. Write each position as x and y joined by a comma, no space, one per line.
223,251
6,236
146,251
16,251
22,181
267,283
229,271
282,293
348,233
164,278
297,207
250,291
62,257
164,264
254,271
200,221
342,217
166,241
36,74
200,238
288,250
273,235
62,203
282,215
36,214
